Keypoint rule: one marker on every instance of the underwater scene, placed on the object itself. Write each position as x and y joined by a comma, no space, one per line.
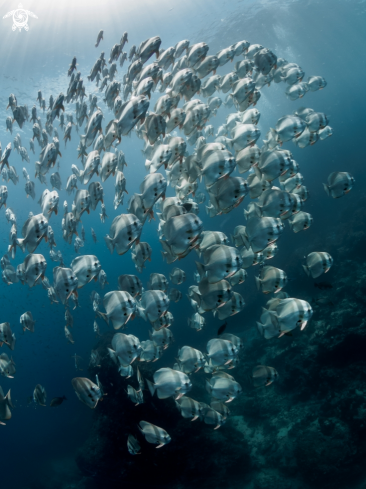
182,244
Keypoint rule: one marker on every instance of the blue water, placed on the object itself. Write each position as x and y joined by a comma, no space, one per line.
326,38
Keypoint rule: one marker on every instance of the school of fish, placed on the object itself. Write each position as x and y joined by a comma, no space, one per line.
181,149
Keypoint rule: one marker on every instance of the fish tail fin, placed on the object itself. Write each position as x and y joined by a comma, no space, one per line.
8,399
147,165
326,188
141,313
103,316
12,250
151,387
306,270
109,242
113,355
258,283
246,242
164,255
167,253
201,269
260,328
21,244
208,387
257,171
230,143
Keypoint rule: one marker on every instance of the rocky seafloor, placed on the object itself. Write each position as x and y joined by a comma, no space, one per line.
308,430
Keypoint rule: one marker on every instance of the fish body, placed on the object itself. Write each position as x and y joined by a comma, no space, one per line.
120,307
289,314
169,382
233,306
134,111
126,348
181,233
7,336
130,284
318,263
65,283
33,231
39,395
154,304
86,268
271,279
190,360
49,203
339,184
177,276
221,262
196,321
211,296
81,204
221,352
34,267
263,376
93,126
57,401
124,232
154,434
223,387
86,391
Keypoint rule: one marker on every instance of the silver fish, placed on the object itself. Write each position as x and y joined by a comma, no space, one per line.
318,263
27,321
5,405
221,262
339,184
140,254
133,445
7,336
39,395
154,434
130,284
153,305
49,203
197,321
177,276
271,279
86,391
65,283
125,348
86,268
263,376
135,396
120,307
33,231
124,232
169,382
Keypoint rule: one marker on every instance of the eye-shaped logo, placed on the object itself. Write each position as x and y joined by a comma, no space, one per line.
20,18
